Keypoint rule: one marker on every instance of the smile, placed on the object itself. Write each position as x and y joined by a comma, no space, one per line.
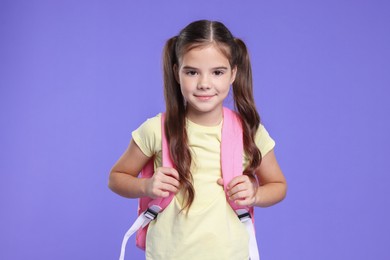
204,97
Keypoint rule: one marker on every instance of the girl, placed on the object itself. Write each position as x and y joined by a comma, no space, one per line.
200,65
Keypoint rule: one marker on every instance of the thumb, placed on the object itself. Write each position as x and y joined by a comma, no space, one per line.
220,181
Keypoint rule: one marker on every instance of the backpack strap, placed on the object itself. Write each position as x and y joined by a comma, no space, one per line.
231,165
157,205
231,151
149,208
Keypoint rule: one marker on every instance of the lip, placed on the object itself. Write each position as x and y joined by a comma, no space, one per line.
204,97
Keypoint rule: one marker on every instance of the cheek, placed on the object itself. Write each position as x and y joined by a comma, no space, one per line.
187,84
181,79
185,90
225,87
226,92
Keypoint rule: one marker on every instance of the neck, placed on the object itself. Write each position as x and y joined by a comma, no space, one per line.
212,118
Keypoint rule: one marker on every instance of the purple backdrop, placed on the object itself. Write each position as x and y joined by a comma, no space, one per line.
76,77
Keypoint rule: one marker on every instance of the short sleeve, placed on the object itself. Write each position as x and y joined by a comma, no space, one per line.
264,141
148,136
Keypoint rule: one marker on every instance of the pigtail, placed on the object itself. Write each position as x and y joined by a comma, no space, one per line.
245,105
175,122
171,86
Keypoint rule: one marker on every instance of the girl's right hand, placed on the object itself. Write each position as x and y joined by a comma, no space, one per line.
163,181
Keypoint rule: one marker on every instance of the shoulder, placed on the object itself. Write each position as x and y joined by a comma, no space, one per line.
148,135
151,123
263,140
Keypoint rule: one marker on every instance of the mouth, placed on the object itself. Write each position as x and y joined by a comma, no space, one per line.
204,97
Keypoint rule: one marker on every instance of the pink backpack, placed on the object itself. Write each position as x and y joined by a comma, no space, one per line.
231,164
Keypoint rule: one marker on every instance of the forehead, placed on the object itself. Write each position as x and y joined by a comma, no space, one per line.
211,54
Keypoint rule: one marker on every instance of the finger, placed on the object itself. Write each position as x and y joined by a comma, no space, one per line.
160,185
236,180
164,176
241,195
164,194
157,192
245,202
169,188
169,180
163,191
240,187
220,181
169,183
169,171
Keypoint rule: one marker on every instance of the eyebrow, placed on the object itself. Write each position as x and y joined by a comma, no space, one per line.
215,68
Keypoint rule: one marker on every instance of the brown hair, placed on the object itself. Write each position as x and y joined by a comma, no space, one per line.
201,33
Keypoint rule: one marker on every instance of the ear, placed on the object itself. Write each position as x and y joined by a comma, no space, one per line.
234,73
176,73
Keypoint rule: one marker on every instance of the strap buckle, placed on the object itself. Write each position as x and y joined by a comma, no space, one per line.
243,215
150,214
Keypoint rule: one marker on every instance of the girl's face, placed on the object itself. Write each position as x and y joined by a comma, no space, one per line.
205,77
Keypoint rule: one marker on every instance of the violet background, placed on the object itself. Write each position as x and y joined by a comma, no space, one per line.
76,77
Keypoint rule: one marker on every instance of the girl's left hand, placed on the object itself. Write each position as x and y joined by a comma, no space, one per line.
242,190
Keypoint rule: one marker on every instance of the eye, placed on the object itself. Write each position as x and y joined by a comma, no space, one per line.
191,72
219,72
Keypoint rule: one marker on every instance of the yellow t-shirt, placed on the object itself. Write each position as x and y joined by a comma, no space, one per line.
211,230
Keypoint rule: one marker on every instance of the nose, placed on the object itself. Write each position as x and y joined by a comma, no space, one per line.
204,82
